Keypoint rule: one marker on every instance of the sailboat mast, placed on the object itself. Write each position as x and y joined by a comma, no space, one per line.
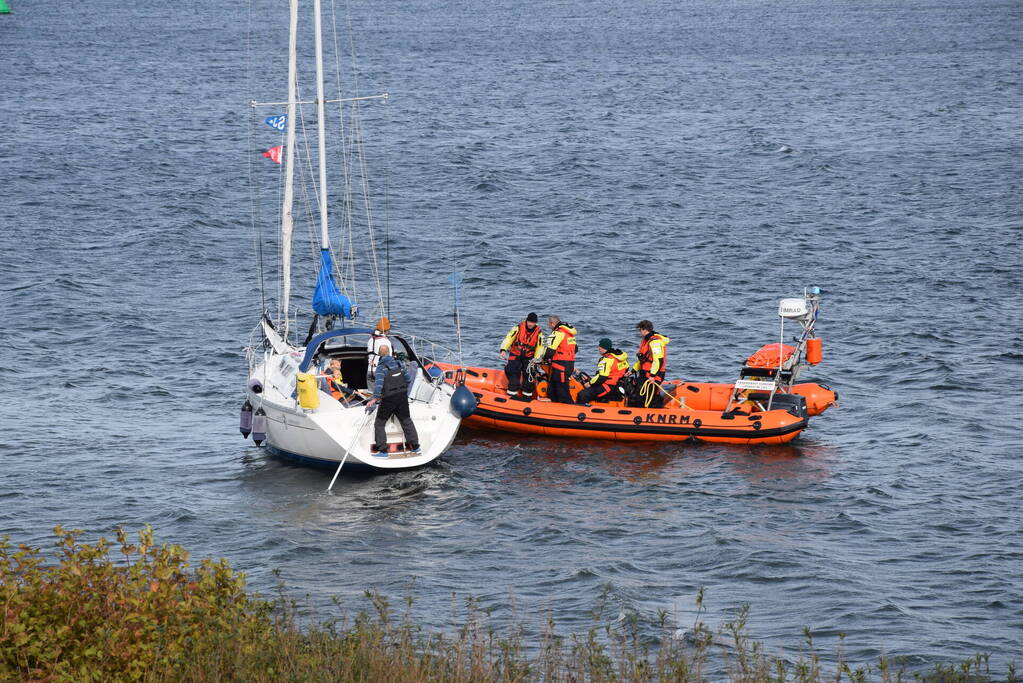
287,222
320,125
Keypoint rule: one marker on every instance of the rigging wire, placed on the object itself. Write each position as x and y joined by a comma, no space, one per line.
387,213
283,314
305,182
358,146
354,166
346,232
254,215
363,171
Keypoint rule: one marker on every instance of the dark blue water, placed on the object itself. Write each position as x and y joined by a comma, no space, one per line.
690,163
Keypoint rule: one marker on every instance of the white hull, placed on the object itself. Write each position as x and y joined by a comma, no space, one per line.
333,433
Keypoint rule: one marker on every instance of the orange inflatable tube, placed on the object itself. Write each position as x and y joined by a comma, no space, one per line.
694,411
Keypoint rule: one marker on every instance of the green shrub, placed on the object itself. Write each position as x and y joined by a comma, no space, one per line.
151,616
89,618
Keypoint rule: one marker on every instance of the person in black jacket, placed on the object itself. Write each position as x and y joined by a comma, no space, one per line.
391,391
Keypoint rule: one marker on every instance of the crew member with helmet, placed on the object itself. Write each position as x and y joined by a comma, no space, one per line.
611,367
522,344
560,354
390,390
378,339
649,366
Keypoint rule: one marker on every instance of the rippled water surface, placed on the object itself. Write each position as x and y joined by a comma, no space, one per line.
687,162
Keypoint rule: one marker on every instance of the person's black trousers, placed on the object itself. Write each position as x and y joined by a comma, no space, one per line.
394,405
557,390
518,377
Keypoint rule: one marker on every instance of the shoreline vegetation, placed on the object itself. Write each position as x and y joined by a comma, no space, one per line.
142,611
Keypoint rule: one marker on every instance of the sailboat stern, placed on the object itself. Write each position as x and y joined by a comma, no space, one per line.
328,432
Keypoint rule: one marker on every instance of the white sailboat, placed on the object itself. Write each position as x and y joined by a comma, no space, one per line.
288,407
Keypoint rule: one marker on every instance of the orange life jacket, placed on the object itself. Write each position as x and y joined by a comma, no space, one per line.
332,385
525,341
566,349
618,367
646,357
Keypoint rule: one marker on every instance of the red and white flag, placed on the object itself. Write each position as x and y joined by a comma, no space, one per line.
274,153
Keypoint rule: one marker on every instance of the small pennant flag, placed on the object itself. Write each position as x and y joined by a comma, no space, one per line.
278,123
274,153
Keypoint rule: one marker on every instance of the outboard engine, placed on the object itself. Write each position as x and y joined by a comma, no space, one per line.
245,421
463,403
259,427
794,404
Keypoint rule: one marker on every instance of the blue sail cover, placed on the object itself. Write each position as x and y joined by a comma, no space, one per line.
328,299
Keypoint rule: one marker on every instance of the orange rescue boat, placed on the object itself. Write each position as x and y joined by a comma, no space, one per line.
763,406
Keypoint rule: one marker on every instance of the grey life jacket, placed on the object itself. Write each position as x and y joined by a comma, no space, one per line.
395,382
